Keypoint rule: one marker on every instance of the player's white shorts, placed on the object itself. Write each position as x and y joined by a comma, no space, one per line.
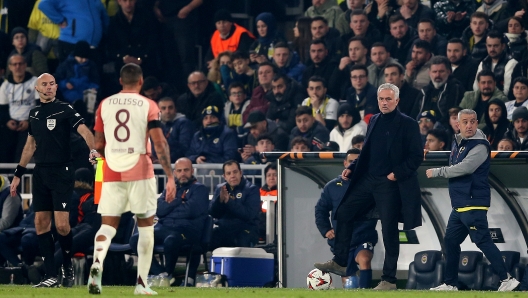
119,197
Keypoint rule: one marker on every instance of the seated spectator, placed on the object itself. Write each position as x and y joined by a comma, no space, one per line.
358,142
343,22
452,16
10,206
436,140
380,58
270,188
308,128
284,99
235,208
417,70
517,39
266,71
180,222
427,32
362,95
520,92
330,146
498,61
413,11
359,26
214,142
518,131
228,36
401,38
36,61
241,72
506,145
496,122
475,35
259,125
302,33
498,12
177,129
357,55
17,97
453,127
156,90
201,95
478,100
268,36
214,74
394,74
300,144
463,66
330,36
426,122
349,124
77,74
287,61
264,144
379,13
442,93
22,235
234,108
326,9
321,63
324,108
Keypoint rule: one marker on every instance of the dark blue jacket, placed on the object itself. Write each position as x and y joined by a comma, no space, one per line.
243,208
188,210
318,135
473,189
179,134
218,145
331,196
81,76
294,69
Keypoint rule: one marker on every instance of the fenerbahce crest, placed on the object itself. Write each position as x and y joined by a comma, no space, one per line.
51,123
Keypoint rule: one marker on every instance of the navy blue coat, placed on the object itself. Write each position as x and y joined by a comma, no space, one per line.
218,147
404,147
243,208
179,134
188,210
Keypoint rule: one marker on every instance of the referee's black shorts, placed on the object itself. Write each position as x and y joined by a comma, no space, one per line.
52,188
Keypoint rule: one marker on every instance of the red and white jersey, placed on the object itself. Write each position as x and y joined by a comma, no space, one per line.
124,118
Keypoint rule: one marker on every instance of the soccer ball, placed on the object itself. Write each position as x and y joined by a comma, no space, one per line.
318,280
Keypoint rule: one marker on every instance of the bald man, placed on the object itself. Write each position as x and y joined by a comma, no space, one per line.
50,124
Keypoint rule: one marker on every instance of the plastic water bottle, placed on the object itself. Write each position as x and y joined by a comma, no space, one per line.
352,282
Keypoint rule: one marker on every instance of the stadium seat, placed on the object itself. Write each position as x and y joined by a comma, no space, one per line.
511,259
470,270
426,271
189,250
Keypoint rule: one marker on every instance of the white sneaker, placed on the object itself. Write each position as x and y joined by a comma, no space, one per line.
508,285
94,281
444,287
141,290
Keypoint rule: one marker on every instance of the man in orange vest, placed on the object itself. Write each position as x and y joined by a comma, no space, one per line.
228,36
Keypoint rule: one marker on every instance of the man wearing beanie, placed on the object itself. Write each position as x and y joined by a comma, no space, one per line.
228,36
518,131
349,124
36,61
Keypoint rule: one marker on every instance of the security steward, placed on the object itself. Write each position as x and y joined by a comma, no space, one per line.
50,124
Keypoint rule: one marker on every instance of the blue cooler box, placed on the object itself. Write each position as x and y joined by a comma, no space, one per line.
243,266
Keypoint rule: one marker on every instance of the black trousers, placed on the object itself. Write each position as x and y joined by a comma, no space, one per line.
368,192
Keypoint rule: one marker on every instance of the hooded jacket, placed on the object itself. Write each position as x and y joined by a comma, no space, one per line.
495,134
82,76
344,137
283,112
512,134
471,99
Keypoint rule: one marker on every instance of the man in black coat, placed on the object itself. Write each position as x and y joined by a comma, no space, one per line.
384,176
463,66
322,64
284,99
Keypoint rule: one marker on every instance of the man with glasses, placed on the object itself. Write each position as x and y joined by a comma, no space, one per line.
362,94
201,94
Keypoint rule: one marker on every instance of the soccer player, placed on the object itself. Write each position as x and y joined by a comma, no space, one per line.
124,122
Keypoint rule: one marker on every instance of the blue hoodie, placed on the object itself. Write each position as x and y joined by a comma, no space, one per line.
81,76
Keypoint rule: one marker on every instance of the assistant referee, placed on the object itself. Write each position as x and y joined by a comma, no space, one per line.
50,124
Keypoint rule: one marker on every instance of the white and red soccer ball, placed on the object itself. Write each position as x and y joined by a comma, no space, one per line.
318,280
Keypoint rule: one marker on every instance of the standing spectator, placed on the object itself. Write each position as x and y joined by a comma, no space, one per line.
330,36
359,26
517,39
349,124
357,55
266,71
300,144
394,74
308,128
436,140
442,93
177,129
78,20
234,108
284,99
427,32
518,131
259,125
235,208
475,35
401,38
362,95
302,33
201,95
498,12
520,92
324,108
17,98
413,11
463,66
496,122
498,61
426,122
326,9
240,72
322,64
380,57
43,33
417,70
453,16
36,61
478,100
288,62
262,49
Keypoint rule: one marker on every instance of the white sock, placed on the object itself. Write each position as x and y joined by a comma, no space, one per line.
144,249
101,247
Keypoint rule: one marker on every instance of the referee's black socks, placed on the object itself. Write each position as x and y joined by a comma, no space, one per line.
47,250
66,246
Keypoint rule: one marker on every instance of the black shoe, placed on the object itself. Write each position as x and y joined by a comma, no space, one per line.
68,277
51,282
